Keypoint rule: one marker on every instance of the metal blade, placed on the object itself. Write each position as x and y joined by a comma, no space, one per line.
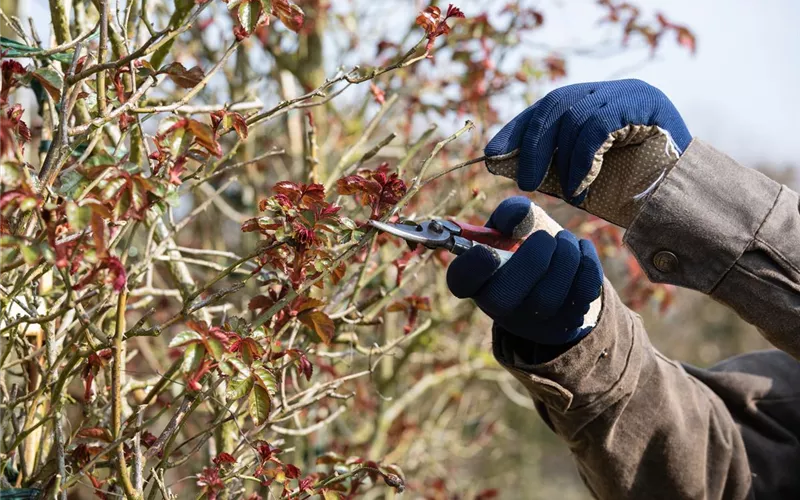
415,233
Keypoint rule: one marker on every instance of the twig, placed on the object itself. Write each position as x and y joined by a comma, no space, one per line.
372,152
148,47
171,427
414,393
14,25
216,297
312,158
210,108
51,165
351,154
416,184
106,118
453,169
116,398
63,47
312,428
101,58
414,149
236,166
138,459
390,479
194,90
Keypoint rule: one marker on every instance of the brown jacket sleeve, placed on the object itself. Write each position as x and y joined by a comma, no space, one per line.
730,232
636,423
642,426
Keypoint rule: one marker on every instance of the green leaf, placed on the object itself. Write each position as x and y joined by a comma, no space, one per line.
122,206
145,70
27,204
226,367
50,80
238,387
259,404
111,188
17,49
100,159
10,175
173,198
243,368
30,253
176,141
71,183
264,378
185,337
192,357
139,194
10,44
248,15
216,348
78,217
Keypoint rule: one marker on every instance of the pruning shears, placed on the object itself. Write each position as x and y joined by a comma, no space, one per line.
456,237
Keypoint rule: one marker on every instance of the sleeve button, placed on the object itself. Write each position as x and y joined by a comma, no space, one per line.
666,262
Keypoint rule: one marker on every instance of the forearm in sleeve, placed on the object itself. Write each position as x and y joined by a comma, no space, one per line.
637,424
728,231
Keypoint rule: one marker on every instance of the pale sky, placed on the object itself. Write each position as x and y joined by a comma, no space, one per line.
741,92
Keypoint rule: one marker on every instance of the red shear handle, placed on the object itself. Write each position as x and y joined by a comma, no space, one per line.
488,236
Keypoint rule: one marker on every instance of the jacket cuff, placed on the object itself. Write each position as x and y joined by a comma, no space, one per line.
700,219
588,371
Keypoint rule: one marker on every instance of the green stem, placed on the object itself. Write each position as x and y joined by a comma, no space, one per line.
116,399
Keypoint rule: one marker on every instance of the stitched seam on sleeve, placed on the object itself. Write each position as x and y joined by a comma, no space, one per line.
602,398
750,244
780,256
761,280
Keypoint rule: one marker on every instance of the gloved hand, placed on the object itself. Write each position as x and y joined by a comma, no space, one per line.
544,291
601,146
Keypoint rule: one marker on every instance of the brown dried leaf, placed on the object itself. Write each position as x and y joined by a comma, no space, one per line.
205,137
185,78
320,323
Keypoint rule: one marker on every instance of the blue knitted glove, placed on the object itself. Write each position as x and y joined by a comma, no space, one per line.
602,146
544,291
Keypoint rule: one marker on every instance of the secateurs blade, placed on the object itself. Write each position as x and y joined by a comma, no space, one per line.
456,237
